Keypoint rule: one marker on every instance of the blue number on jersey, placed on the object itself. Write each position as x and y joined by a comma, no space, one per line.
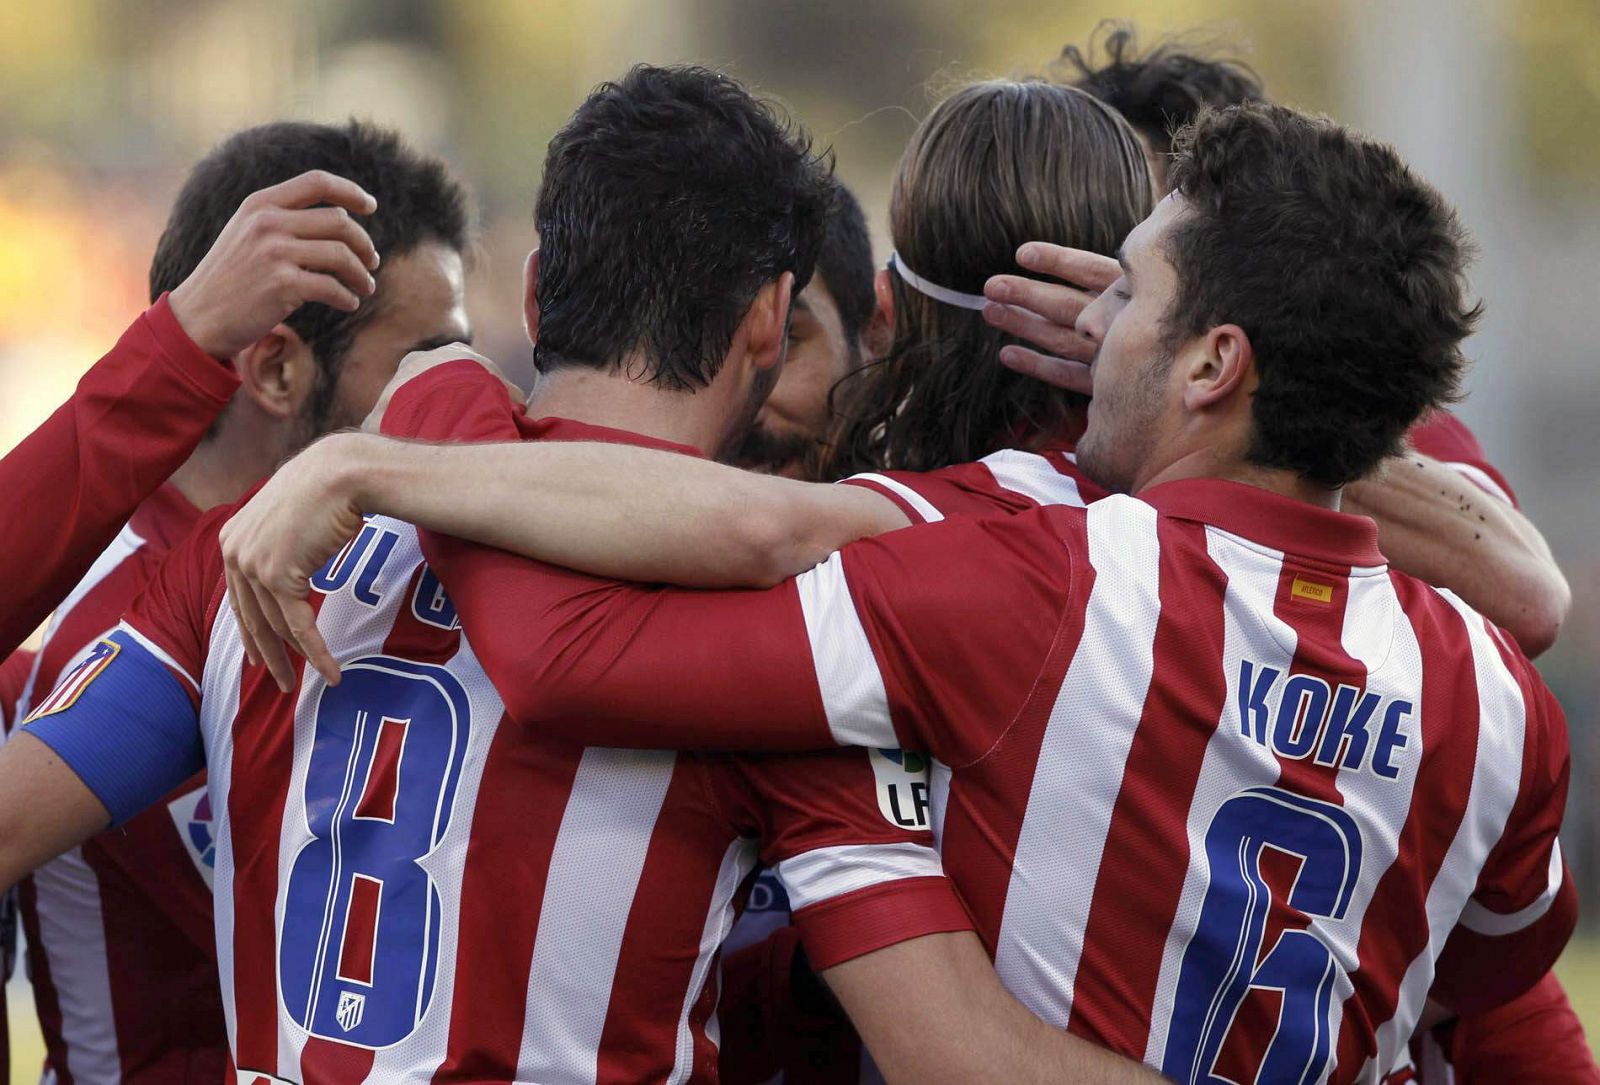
359,944
1219,966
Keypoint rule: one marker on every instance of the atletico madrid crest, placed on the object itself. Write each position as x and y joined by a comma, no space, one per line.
351,1005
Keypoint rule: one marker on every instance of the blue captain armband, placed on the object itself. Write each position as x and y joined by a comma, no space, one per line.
123,722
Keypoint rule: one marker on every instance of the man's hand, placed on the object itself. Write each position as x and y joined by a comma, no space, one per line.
417,363
271,547
1046,314
278,252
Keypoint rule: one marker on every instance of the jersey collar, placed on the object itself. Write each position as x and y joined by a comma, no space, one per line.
567,429
1270,519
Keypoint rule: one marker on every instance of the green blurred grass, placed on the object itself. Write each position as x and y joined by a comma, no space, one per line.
1579,970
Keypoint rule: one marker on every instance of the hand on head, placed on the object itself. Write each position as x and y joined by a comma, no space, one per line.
1046,314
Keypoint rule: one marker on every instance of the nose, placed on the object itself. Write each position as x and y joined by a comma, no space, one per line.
1092,322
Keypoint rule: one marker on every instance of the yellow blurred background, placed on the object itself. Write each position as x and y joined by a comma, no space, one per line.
107,103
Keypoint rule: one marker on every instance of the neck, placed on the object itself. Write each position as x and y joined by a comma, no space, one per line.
1206,463
609,398
226,465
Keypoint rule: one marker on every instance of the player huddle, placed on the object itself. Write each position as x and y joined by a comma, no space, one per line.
1063,698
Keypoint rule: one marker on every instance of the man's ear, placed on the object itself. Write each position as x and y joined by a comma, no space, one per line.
1224,366
767,322
883,290
878,336
530,296
277,372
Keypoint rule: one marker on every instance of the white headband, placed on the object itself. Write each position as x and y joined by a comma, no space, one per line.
934,290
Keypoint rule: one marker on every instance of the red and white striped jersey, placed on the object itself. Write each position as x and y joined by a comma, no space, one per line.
1221,785
121,953
1221,788
409,887
13,676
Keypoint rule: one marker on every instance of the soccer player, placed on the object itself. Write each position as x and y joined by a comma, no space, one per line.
1225,793
121,947
835,327
411,888
1433,521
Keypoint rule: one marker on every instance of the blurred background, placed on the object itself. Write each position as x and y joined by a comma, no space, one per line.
107,103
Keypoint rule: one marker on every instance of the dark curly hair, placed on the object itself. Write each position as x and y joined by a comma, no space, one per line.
995,165
1158,91
668,200
1345,269
418,202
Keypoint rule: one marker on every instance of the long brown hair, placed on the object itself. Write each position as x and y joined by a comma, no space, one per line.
995,165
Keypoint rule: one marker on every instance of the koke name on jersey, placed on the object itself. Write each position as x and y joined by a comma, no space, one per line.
1298,716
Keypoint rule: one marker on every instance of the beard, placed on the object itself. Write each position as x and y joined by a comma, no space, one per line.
773,453
1122,427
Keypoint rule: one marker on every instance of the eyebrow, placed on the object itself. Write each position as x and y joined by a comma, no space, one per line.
441,341
1122,260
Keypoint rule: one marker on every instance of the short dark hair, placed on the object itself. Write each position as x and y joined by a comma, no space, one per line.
1345,269
668,200
1161,90
418,202
845,264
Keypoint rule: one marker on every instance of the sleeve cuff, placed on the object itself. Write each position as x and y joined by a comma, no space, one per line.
213,378
882,915
416,412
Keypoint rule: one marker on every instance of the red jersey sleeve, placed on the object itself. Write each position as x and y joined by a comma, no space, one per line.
1535,1039
1444,437
603,662
13,678
941,630
847,833
70,485
174,613
1524,907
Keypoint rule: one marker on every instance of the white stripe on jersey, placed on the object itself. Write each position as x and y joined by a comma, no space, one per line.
1033,476
1081,759
1475,917
737,863
156,650
1252,573
1377,636
125,545
72,934
826,873
219,704
923,506
612,811
847,670
1496,779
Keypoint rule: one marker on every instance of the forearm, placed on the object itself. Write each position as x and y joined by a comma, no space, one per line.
72,483
932,1010
1439,527
44,808
611,510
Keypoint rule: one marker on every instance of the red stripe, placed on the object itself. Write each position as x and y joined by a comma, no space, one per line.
359,941
681,865
383,775
416,640
44,990
521,800
160,952
324,1062
1138,892
263,762
987,802
1395,930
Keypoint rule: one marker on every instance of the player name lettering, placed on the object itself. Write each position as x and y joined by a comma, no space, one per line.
1299,716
